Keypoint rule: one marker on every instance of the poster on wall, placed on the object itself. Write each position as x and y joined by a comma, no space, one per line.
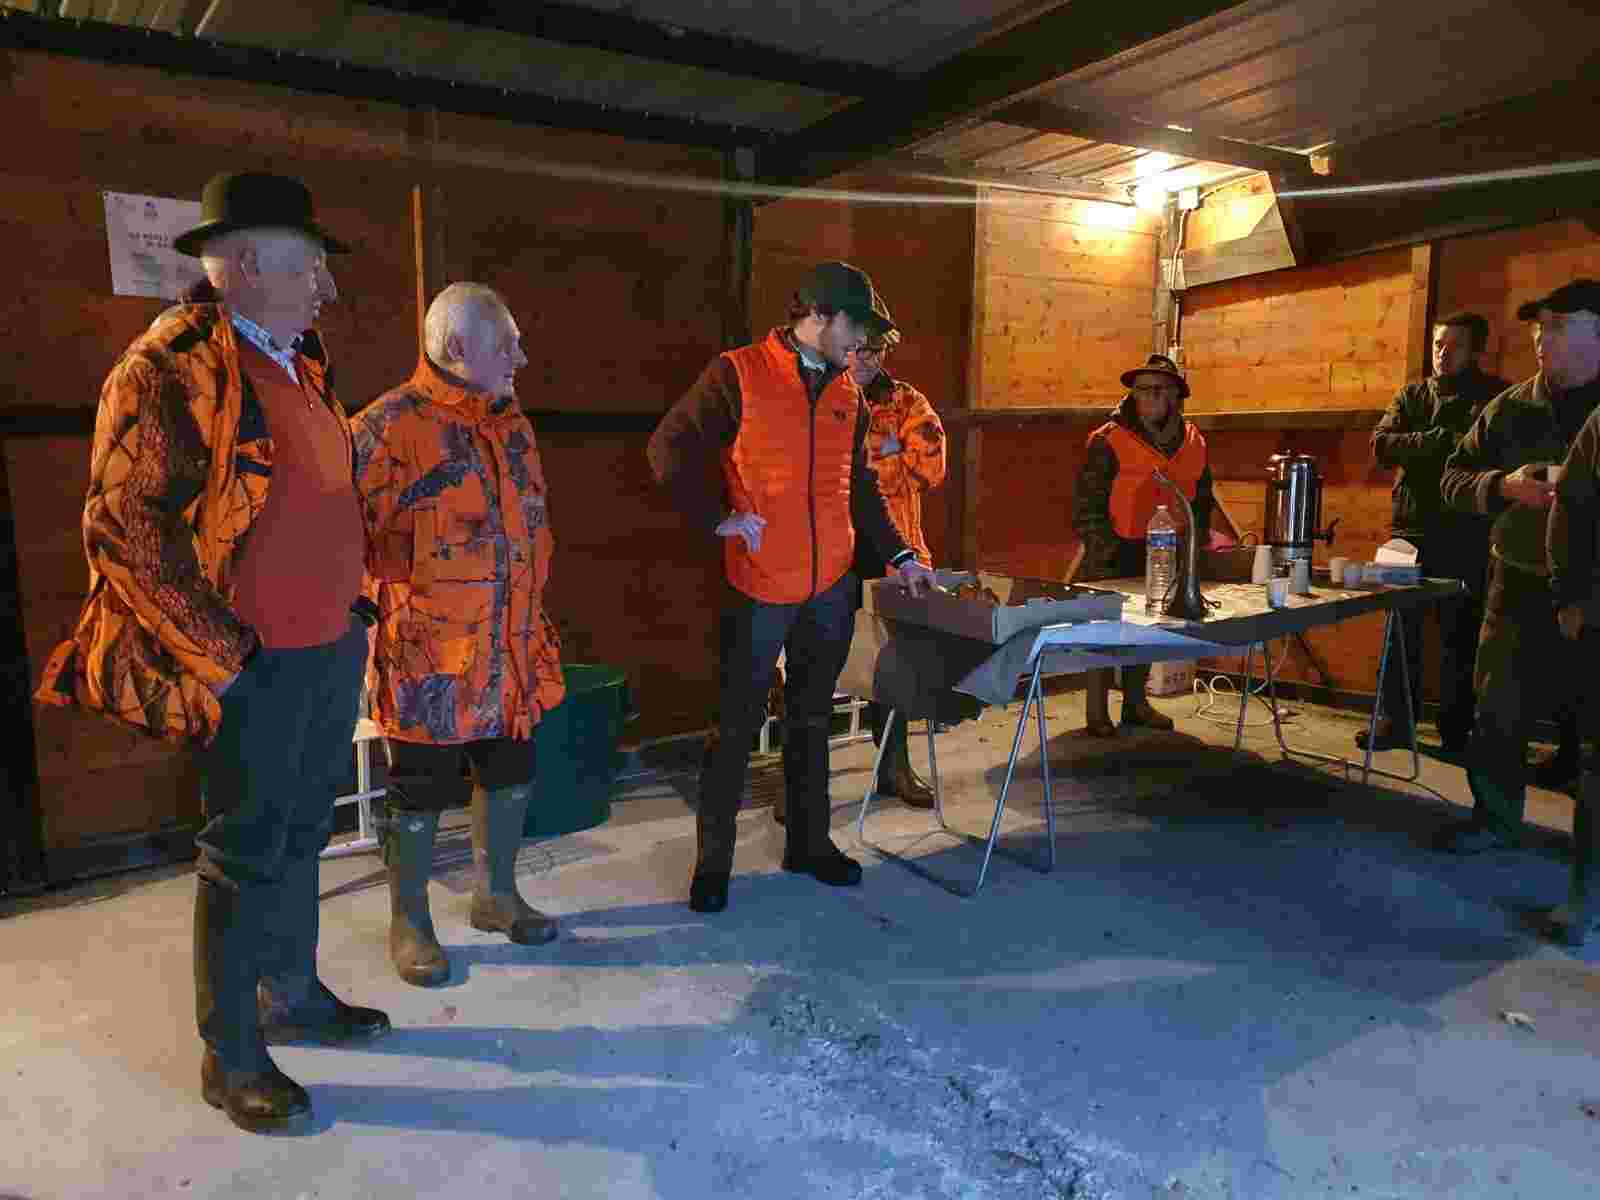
140,230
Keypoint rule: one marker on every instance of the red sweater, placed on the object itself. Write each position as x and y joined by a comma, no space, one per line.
302,566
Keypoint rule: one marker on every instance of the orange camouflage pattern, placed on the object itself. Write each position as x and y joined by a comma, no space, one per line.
898,410
179,471
459,548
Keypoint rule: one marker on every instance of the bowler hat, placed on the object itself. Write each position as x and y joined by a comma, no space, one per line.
254,200
1581,295
1159,364
847,289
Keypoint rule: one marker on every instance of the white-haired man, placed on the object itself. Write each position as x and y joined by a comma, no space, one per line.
465,662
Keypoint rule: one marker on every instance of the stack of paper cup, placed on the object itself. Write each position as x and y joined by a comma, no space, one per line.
1261,565
1336,570
1352,574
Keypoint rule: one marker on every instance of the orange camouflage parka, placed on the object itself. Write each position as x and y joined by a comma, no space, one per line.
900,412
179,471
453,495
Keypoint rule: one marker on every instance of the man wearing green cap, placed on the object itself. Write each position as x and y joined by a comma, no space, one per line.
785,427
226,550
1507,467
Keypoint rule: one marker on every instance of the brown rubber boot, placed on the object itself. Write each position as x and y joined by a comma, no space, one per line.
414,949
1097,704
497,906
896,778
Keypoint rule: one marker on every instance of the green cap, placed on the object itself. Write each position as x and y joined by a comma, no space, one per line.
840,286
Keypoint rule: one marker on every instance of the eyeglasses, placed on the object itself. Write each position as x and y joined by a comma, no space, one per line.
870,351
1159,389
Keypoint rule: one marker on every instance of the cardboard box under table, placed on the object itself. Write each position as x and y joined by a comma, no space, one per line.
906,660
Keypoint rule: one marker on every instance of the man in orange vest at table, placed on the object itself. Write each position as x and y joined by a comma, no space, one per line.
785,426
1116,496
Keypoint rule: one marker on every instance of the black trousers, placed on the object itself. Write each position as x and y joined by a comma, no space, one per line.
269,779
1459,625
424,777
1525,671
815,638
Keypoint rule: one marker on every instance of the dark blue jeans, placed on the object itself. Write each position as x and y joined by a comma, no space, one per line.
815,637
269,778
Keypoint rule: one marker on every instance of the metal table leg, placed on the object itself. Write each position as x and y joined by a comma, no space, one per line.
1033,700
1393,633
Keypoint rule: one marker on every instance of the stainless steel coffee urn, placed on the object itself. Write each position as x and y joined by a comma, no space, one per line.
1294,507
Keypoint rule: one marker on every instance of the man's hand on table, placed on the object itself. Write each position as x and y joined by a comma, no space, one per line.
744,525
914,577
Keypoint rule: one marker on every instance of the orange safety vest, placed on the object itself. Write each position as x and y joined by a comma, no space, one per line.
1135,494
790,463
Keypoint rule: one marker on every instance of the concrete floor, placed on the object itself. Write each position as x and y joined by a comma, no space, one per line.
1244,979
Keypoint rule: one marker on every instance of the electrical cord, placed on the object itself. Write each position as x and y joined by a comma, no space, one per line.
1209,693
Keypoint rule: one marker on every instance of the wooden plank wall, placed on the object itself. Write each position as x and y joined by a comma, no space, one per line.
919,256
1330,336
1064,299
618,293
1495,272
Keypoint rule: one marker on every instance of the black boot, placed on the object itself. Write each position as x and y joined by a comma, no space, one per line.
1571,923
1097,703
497,907
414,948
895,776
808,849
295,1006
237,1074
716,819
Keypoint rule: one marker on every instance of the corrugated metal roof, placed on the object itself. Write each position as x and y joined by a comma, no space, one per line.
1287,73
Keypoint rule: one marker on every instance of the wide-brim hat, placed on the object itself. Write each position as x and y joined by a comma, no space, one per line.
1581,295
254,200
1159,364
847,289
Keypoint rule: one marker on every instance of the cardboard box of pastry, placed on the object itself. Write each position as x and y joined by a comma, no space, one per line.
992,608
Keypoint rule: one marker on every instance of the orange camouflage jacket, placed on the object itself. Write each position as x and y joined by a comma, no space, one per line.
453,495
178,474
903,414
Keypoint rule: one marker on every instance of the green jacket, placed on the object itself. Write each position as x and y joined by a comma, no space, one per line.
1524,424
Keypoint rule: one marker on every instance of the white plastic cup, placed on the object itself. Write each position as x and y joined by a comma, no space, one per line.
1277,591
1352,574
1302,577
1261,565
1336,569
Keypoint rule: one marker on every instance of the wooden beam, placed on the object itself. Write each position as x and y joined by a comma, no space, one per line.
1044,117
971,491
657,41
22,863
1419,320
738,231
205,59
301,25
936,170
1002,70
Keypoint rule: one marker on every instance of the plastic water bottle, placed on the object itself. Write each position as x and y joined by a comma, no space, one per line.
1160,561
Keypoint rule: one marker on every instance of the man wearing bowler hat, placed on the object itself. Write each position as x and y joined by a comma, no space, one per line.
225,548
1507,467
784,427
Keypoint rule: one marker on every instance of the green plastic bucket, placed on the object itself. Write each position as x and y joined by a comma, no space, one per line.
577,755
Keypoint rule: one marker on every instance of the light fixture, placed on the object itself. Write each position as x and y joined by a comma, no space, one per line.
1150,196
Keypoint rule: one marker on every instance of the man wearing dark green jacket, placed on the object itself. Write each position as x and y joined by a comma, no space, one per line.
1501,469
1417,433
